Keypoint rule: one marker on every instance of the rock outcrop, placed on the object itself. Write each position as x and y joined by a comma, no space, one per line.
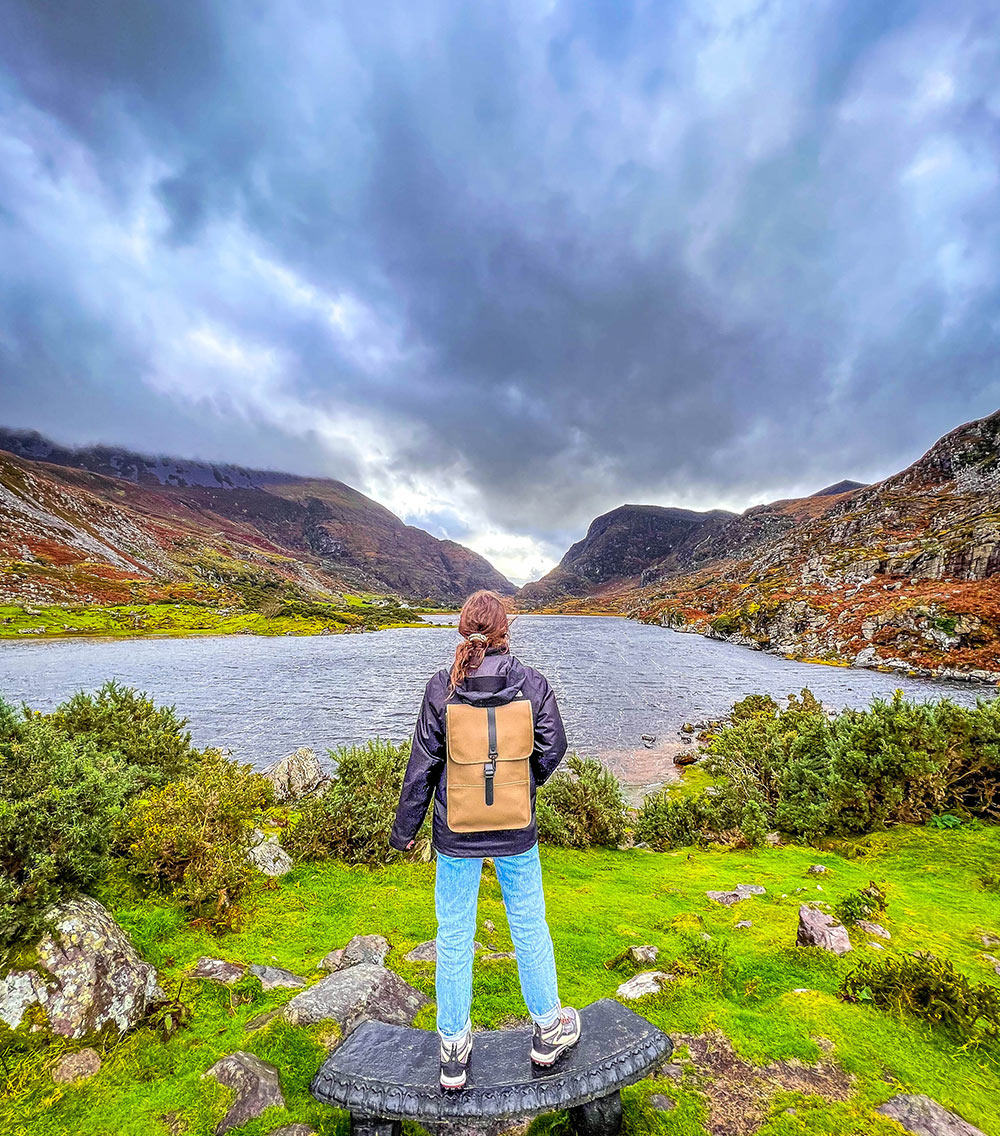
256,1084
296,775
925,1117
347,997
85,976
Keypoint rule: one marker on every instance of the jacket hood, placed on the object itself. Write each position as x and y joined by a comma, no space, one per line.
498,678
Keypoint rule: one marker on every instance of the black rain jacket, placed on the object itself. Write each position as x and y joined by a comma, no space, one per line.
496,681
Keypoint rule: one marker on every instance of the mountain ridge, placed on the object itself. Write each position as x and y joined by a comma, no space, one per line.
107,525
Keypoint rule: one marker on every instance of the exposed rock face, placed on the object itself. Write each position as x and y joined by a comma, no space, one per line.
256,1084
925,1117
88,975
76,1067
643,955
364,990
817,929
642,985
874,929
296,775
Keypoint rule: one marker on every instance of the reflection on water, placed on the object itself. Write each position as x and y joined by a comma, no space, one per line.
615,681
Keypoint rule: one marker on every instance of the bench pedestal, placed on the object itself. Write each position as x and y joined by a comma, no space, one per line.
383,1074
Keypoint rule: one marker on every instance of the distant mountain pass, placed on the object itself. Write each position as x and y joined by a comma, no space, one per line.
105,525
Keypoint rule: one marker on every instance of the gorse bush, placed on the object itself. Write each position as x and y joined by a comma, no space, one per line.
931,989
353,818
151,739
581,806
59,800
796,770
864,904
192,836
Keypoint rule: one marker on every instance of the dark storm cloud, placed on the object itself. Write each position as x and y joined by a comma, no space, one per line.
511,263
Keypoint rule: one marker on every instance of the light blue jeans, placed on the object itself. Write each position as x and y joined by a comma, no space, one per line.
456,897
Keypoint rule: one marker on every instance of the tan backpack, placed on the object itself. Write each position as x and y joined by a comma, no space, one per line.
489,776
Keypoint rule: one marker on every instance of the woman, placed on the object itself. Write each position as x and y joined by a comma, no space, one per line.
484,673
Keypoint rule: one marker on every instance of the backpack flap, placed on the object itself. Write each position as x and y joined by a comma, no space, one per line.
489,775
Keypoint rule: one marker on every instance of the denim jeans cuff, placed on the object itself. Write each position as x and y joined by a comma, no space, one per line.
452,1038
549,1019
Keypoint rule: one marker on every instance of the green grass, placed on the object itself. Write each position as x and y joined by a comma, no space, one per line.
174,619
741,982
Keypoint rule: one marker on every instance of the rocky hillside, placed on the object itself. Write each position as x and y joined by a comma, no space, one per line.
902,573
108,526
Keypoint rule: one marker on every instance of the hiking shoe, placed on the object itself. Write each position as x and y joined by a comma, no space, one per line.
455,1062
549,1044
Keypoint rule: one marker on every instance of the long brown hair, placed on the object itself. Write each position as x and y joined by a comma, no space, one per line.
484,618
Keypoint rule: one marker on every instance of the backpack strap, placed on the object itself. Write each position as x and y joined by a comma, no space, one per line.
491,759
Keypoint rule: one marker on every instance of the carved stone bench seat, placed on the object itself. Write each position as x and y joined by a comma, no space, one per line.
384,1074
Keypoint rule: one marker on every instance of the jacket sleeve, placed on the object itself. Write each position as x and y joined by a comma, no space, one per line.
423,771
550,736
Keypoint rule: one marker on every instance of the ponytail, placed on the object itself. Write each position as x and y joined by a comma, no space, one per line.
482,624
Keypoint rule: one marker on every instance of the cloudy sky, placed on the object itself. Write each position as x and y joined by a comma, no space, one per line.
504,266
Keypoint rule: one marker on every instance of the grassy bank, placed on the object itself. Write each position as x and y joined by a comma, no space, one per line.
177,619
773,1001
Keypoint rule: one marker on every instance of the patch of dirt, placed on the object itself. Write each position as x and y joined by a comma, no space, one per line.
739,1094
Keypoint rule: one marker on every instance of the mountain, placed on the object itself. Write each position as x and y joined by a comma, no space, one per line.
901,573
105,525
620,545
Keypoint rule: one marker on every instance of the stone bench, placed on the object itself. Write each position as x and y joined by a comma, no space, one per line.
384,1074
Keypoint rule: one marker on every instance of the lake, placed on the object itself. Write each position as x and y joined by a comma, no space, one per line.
615,680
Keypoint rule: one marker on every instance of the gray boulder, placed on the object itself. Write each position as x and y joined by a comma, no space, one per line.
256,1084
817,929
643,955
273,977
925,1117
349,996
87,975
269,857
296,775
740,892
874,929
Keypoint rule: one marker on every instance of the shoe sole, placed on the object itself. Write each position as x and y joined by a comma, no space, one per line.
451,1085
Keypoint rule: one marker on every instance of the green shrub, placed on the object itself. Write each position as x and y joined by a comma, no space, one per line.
353,818
929,988
864,904
581,806
59,799
192,836
668,820
151,739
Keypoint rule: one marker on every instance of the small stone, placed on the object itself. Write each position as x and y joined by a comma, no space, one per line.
744,925
662,1103
705,936
273,977
875,946
261,1020
427,952
685,757
874,929
817,929
76,1067
642,985
294,1130
989,940
925,1117
365,948
648,740
740,892
218,970
269,857
488,926
817,870
644,955
994,962
332,960
497,955
674,1072
751,889
256,1084
773,839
